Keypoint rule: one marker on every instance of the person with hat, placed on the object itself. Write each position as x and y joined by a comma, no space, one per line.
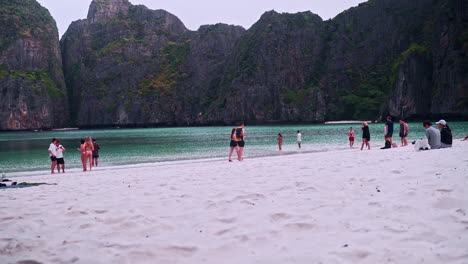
445,134
432,135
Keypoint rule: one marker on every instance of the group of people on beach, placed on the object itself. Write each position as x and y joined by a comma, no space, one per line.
89,151
435,139
280,140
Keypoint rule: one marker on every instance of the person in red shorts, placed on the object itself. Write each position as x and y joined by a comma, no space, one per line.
351,137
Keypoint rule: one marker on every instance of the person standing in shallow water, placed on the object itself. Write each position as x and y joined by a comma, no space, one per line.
95,153
233,144
280,141
299,139
89,148
60,160
351,137
388,131
365,135
82,151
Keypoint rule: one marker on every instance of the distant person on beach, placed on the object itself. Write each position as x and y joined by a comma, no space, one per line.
299,138
404,131
89,148
351,137
53,155
445,134
95,153
60,160
280,141
432,135
240,133
82,151
233,144
466,138
388,131
365,135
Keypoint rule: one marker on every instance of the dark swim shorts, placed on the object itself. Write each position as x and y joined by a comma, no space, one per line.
233,144
402,135
389,135
95,156
53,158
60,161
241,144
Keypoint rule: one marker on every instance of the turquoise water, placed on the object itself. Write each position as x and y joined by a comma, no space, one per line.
27,151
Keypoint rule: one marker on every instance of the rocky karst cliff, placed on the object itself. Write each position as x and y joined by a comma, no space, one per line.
129,65
32,85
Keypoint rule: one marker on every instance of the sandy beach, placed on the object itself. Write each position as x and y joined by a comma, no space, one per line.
350,206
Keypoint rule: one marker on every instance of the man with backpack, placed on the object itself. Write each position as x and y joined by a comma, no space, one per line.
240,133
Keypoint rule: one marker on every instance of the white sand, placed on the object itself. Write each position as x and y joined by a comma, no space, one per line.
306,208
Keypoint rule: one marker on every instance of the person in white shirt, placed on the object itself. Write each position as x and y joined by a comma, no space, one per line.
299,139
53,154
60,160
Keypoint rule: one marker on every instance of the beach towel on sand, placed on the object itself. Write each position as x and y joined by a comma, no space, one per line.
24,184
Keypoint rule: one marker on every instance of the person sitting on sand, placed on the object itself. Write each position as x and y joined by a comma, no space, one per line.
351,137
432,135
445,134
233,144
404,131
60,160
53,155
280,141
365,135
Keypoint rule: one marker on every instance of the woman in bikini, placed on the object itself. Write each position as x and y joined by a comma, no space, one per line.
89,147
82,151
233,144
351,137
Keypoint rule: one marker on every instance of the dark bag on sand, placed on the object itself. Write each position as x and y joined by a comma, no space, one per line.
239,133
387,145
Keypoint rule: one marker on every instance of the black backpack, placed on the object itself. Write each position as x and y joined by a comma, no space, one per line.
239,133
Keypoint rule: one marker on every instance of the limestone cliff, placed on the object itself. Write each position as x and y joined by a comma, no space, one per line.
33,93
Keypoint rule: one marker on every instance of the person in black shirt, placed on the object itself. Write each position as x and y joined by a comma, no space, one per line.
445,134
388,129
365,135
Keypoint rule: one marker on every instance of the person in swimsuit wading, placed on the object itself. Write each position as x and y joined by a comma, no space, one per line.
240,133
233,144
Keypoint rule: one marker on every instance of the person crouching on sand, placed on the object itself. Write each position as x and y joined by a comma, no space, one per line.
82,151
280,141
233,144
351,137
365,135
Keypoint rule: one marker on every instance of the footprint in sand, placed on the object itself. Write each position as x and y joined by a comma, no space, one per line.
182,250
444,190
449,203
396,172
100,211
222,232
279,217
299,226
227,220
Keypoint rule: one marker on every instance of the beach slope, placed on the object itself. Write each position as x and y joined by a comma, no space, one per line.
351,206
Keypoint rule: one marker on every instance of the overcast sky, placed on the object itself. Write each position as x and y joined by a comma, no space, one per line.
201,12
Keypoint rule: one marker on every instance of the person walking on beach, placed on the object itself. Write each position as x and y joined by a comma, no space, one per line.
445,134
82,151
404,131
53,155
299,138
351,137
95,153
89,148
233,144
432,135
388,131
60,160
240,133
365,135
280,141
